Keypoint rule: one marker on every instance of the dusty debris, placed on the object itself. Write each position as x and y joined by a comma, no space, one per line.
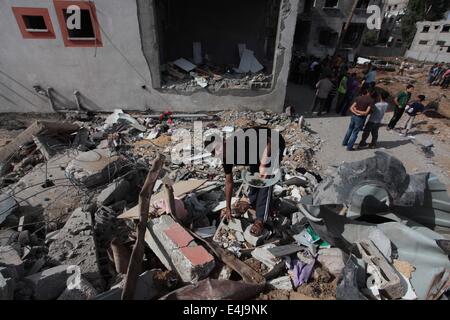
77,205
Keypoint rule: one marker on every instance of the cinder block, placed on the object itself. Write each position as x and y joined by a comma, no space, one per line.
391,285
176,248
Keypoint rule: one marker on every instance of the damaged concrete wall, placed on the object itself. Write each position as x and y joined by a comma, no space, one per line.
333,19
431,46
118,74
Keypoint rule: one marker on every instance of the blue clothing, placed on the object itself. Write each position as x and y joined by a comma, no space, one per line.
371,76
415,108
356,125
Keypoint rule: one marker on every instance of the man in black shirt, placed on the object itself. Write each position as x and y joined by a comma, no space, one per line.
260,149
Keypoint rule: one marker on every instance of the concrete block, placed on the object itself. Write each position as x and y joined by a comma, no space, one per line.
94,167
389,279
175,246
255,241
84,292
75,245
115,192
10,259
50,283
333,260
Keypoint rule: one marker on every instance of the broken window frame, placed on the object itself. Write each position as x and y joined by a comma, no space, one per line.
331,7
70,41
445,28
29,33
423,42
426,29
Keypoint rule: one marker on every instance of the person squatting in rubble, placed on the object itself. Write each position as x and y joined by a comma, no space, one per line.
261,149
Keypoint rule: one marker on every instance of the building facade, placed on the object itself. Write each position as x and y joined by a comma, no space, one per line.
122,54
432,42
391,31
321,22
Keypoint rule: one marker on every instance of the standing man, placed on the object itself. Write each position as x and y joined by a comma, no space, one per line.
260,149
373,125
359,109
412,111
400,103
371,77
324,88
352,88
341,91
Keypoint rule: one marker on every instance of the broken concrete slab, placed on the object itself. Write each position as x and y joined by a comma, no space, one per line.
75,245
176,247
7,206
253,240
54,200
145,289
83,291
8,236
114,192
10,259
43,127
50,283
95,167
184,64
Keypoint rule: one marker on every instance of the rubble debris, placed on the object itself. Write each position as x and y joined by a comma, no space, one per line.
50,283
386,280
7,205
145,289
255,240
212,289
94,168
189,259
83,291
75,245
6,288
282,283
114,192
333,259
38,127
10,259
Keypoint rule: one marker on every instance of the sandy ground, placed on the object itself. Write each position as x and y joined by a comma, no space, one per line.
331,128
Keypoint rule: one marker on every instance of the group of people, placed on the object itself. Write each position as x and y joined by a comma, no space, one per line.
439,75
346,85
373,105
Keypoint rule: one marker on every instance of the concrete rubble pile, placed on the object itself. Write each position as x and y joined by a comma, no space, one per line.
363,230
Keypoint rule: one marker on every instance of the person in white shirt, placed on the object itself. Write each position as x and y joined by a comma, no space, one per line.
373,125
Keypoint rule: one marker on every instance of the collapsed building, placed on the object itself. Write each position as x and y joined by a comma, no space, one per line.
75,225
135,54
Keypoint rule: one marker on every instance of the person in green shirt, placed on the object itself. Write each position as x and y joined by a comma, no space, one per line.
342,90
399,106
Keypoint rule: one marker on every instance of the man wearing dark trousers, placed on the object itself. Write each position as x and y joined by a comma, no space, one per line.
399,106
260,149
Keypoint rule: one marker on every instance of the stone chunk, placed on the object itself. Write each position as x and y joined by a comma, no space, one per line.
115,192
10,259
74,245
50,283
333,260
